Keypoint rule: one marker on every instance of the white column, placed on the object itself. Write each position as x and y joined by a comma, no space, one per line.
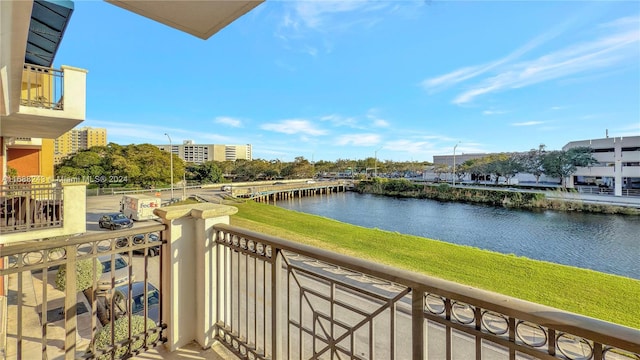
189,272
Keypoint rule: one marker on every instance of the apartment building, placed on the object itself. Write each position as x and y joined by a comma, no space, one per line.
78,139
199,153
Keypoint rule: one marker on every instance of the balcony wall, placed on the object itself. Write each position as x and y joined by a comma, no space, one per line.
73,220
52,102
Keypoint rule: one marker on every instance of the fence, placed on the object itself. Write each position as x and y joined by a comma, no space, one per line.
281,300
25,207
49,314
42,87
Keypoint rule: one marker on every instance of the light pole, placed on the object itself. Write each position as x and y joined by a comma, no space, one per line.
454,163
375,164
171,162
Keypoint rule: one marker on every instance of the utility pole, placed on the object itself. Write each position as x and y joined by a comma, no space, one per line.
375,166
454,163
171,162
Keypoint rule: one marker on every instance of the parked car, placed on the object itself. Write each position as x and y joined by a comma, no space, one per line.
115,221
121,275
139,239
137,300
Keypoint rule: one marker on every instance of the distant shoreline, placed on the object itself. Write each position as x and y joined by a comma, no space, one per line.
489,196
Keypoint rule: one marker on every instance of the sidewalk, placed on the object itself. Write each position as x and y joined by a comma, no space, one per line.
32,296
626,201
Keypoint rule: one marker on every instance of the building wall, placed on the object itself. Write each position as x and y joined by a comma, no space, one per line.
25,161
199,153
618,162
46,158
3,164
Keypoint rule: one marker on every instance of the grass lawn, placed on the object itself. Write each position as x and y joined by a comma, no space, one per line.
599,295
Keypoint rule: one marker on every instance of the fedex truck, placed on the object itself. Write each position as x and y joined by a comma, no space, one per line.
139,207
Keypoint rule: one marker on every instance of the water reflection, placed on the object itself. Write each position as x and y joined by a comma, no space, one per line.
606,243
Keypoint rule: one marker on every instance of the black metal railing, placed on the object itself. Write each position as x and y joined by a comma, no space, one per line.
109,307
25,207
42,87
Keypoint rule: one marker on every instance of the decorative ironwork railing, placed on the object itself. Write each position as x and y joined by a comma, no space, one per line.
97,311
281,300
25,207
42,87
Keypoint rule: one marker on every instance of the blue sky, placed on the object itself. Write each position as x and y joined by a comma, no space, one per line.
342,80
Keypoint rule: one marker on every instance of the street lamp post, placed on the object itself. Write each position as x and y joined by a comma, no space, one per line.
171,162
454,163
375,164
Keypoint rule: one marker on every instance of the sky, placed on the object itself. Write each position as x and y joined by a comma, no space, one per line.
396,80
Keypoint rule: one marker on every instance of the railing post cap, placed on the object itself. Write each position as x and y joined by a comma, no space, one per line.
200,211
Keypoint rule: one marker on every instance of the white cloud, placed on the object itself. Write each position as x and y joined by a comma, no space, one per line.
339,120
319,14
558,107
376,121
358,139
470,72
632,129
606,51
303,21
493,112
136,133
409,146
528,123
380,123
225,120
294,126
617,43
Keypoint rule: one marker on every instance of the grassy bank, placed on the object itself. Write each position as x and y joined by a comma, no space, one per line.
494,197
607,297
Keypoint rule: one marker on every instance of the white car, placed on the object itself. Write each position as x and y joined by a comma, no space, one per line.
121,274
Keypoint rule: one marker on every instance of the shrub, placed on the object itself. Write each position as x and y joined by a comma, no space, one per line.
84,278
121,328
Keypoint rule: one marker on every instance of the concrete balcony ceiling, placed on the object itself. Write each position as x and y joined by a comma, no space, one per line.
198,18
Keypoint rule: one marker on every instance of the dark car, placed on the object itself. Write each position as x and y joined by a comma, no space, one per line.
137,300
139,239
115,221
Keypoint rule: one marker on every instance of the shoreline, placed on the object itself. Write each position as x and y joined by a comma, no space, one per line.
491,196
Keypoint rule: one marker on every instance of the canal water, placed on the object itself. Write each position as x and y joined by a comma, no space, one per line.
605,243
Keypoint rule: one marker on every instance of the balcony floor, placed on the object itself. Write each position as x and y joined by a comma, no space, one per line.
190,351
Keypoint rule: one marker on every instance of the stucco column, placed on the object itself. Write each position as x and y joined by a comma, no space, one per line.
189,272
617,167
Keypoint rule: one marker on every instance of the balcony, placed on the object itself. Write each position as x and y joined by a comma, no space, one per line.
261,297
52,102
41,210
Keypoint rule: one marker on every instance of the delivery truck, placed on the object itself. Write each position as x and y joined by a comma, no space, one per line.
139,207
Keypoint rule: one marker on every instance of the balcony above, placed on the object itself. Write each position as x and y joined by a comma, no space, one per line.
51,103
198,18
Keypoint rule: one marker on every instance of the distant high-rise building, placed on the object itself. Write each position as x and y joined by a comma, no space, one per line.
199,153
75,140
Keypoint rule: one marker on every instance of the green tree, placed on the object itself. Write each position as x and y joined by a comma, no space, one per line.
121,333
208,172
564,163
84,275
532,160
300,168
